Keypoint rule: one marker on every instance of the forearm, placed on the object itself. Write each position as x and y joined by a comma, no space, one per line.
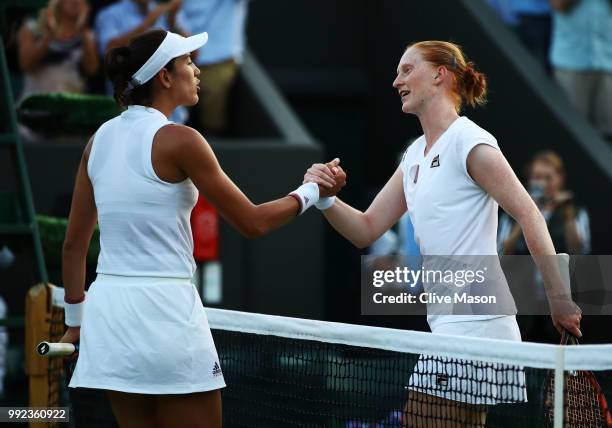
350,223
125,38
270,216
73,272
544,255
90,61
563,5
31,60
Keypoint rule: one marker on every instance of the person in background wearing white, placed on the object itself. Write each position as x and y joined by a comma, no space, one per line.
581,56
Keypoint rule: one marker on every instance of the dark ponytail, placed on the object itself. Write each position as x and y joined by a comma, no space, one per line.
121,63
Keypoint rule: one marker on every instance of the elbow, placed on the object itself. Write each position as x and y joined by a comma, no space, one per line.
250,233
69,248
531,218
366,237
362,243
253,230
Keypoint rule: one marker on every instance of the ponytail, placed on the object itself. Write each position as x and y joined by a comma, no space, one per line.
470,85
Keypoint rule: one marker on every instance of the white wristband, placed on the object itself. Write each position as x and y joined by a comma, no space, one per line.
306,195
73,314
325,203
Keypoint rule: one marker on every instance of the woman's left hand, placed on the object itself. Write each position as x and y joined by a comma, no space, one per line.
72,335
567,318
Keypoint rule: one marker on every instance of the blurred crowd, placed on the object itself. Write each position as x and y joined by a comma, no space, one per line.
62,48
572,40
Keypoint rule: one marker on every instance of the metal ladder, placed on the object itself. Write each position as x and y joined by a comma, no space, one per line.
17,216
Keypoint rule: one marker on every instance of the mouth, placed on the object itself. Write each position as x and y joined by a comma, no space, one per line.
198,86
403,94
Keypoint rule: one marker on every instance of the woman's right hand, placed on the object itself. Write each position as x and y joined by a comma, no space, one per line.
330,177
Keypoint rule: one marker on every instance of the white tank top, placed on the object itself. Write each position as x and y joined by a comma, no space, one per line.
144,221
452,215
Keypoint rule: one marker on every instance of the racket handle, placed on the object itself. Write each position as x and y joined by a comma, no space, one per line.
50,349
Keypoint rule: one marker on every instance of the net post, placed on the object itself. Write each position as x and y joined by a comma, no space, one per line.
559,411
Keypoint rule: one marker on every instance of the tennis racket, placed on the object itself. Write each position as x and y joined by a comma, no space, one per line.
584,402
51,349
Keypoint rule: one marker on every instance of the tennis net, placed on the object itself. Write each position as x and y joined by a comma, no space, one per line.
292,372
288,372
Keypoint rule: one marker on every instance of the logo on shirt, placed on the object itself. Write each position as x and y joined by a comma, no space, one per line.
216,370
435,162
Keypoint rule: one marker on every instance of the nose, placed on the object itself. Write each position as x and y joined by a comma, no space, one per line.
196,70
396,82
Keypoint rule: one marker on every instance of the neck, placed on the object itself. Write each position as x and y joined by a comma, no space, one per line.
435,118
165,106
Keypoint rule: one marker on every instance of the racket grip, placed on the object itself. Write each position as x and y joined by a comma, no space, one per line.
50,349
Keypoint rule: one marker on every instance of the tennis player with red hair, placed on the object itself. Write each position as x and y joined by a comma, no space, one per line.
451,181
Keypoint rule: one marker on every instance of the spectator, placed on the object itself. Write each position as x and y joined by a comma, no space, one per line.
121,22
581,55
57,50
224,20
503,8
568,224
534,27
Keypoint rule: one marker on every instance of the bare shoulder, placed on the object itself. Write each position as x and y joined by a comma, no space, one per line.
181,137
182,146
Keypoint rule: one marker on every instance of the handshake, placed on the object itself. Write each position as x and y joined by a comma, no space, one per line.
329,178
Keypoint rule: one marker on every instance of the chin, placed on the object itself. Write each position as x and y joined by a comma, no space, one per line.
193,101
407,109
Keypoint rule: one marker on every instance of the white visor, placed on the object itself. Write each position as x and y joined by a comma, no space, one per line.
173,46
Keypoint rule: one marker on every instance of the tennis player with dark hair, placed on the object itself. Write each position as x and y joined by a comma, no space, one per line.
451,181
145,336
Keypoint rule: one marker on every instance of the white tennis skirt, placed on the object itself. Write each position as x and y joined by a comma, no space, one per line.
472,382
146,335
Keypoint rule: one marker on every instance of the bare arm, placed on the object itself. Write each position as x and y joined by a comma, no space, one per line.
81,224
32,50
91,61
489,168
148,22
563,6
194,157
362,229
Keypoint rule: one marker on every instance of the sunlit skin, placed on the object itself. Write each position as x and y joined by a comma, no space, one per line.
426,91
417,84
182,83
